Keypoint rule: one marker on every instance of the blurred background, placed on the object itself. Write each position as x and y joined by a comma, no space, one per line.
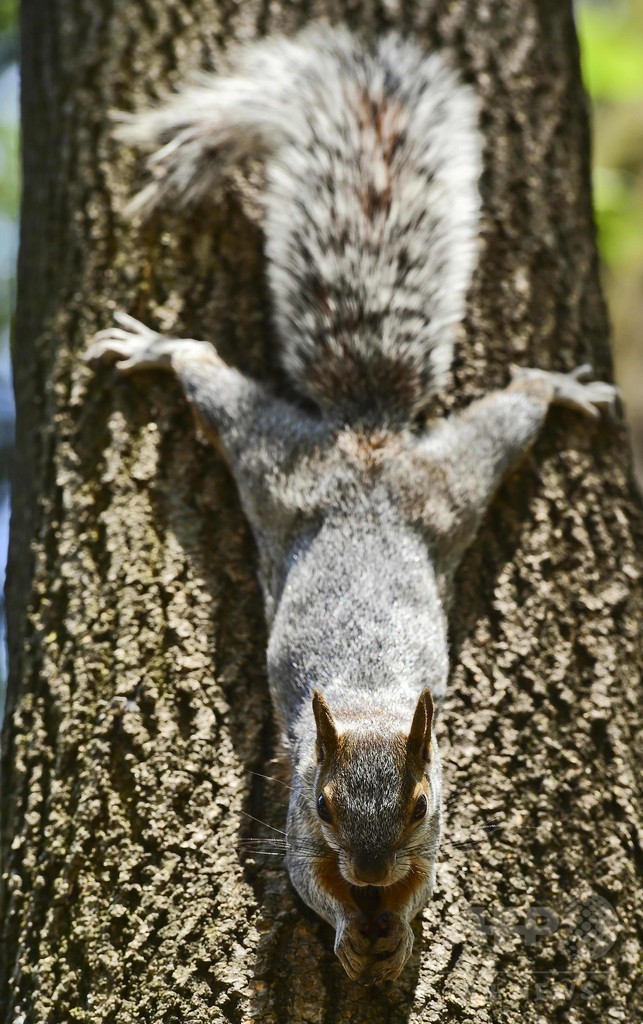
611,36
8,251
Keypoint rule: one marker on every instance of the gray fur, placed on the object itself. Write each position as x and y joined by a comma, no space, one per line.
359,529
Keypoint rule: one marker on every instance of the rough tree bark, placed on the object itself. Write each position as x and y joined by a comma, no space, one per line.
138,708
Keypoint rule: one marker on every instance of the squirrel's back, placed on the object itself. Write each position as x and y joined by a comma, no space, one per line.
372,163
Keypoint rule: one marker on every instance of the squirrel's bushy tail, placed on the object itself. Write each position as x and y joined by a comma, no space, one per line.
372,163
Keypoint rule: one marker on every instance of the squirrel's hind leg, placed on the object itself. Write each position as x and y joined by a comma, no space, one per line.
259,433
222,397
478,446
227,402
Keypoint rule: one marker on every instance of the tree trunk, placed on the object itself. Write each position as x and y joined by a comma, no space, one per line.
138,710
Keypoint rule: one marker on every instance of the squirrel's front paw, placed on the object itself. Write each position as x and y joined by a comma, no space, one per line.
353,946
570,389
374,951
391,951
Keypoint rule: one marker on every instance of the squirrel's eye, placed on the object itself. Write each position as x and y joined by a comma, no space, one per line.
420,808
322,808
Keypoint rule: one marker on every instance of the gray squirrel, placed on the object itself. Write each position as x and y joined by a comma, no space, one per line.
360,509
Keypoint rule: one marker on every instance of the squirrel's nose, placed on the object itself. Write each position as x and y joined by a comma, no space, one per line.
370,870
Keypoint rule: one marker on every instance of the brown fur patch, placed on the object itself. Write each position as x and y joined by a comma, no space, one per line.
332,880
370,449
395,897
384,120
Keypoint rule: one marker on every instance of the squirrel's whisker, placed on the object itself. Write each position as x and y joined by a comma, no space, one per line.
306,858
264,823
272,778
275,844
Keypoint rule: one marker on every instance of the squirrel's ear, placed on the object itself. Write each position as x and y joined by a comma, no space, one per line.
326,729
419,741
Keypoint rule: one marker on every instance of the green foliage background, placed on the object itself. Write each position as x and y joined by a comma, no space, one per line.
612,52
611,37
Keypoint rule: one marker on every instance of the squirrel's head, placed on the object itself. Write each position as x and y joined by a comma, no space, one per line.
377,795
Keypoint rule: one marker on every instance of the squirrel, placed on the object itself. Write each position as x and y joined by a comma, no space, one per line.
360,506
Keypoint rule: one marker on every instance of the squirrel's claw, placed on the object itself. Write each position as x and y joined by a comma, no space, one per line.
584,370
133,346
134,326
569,389
106,347
130,347
126,354
588,397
